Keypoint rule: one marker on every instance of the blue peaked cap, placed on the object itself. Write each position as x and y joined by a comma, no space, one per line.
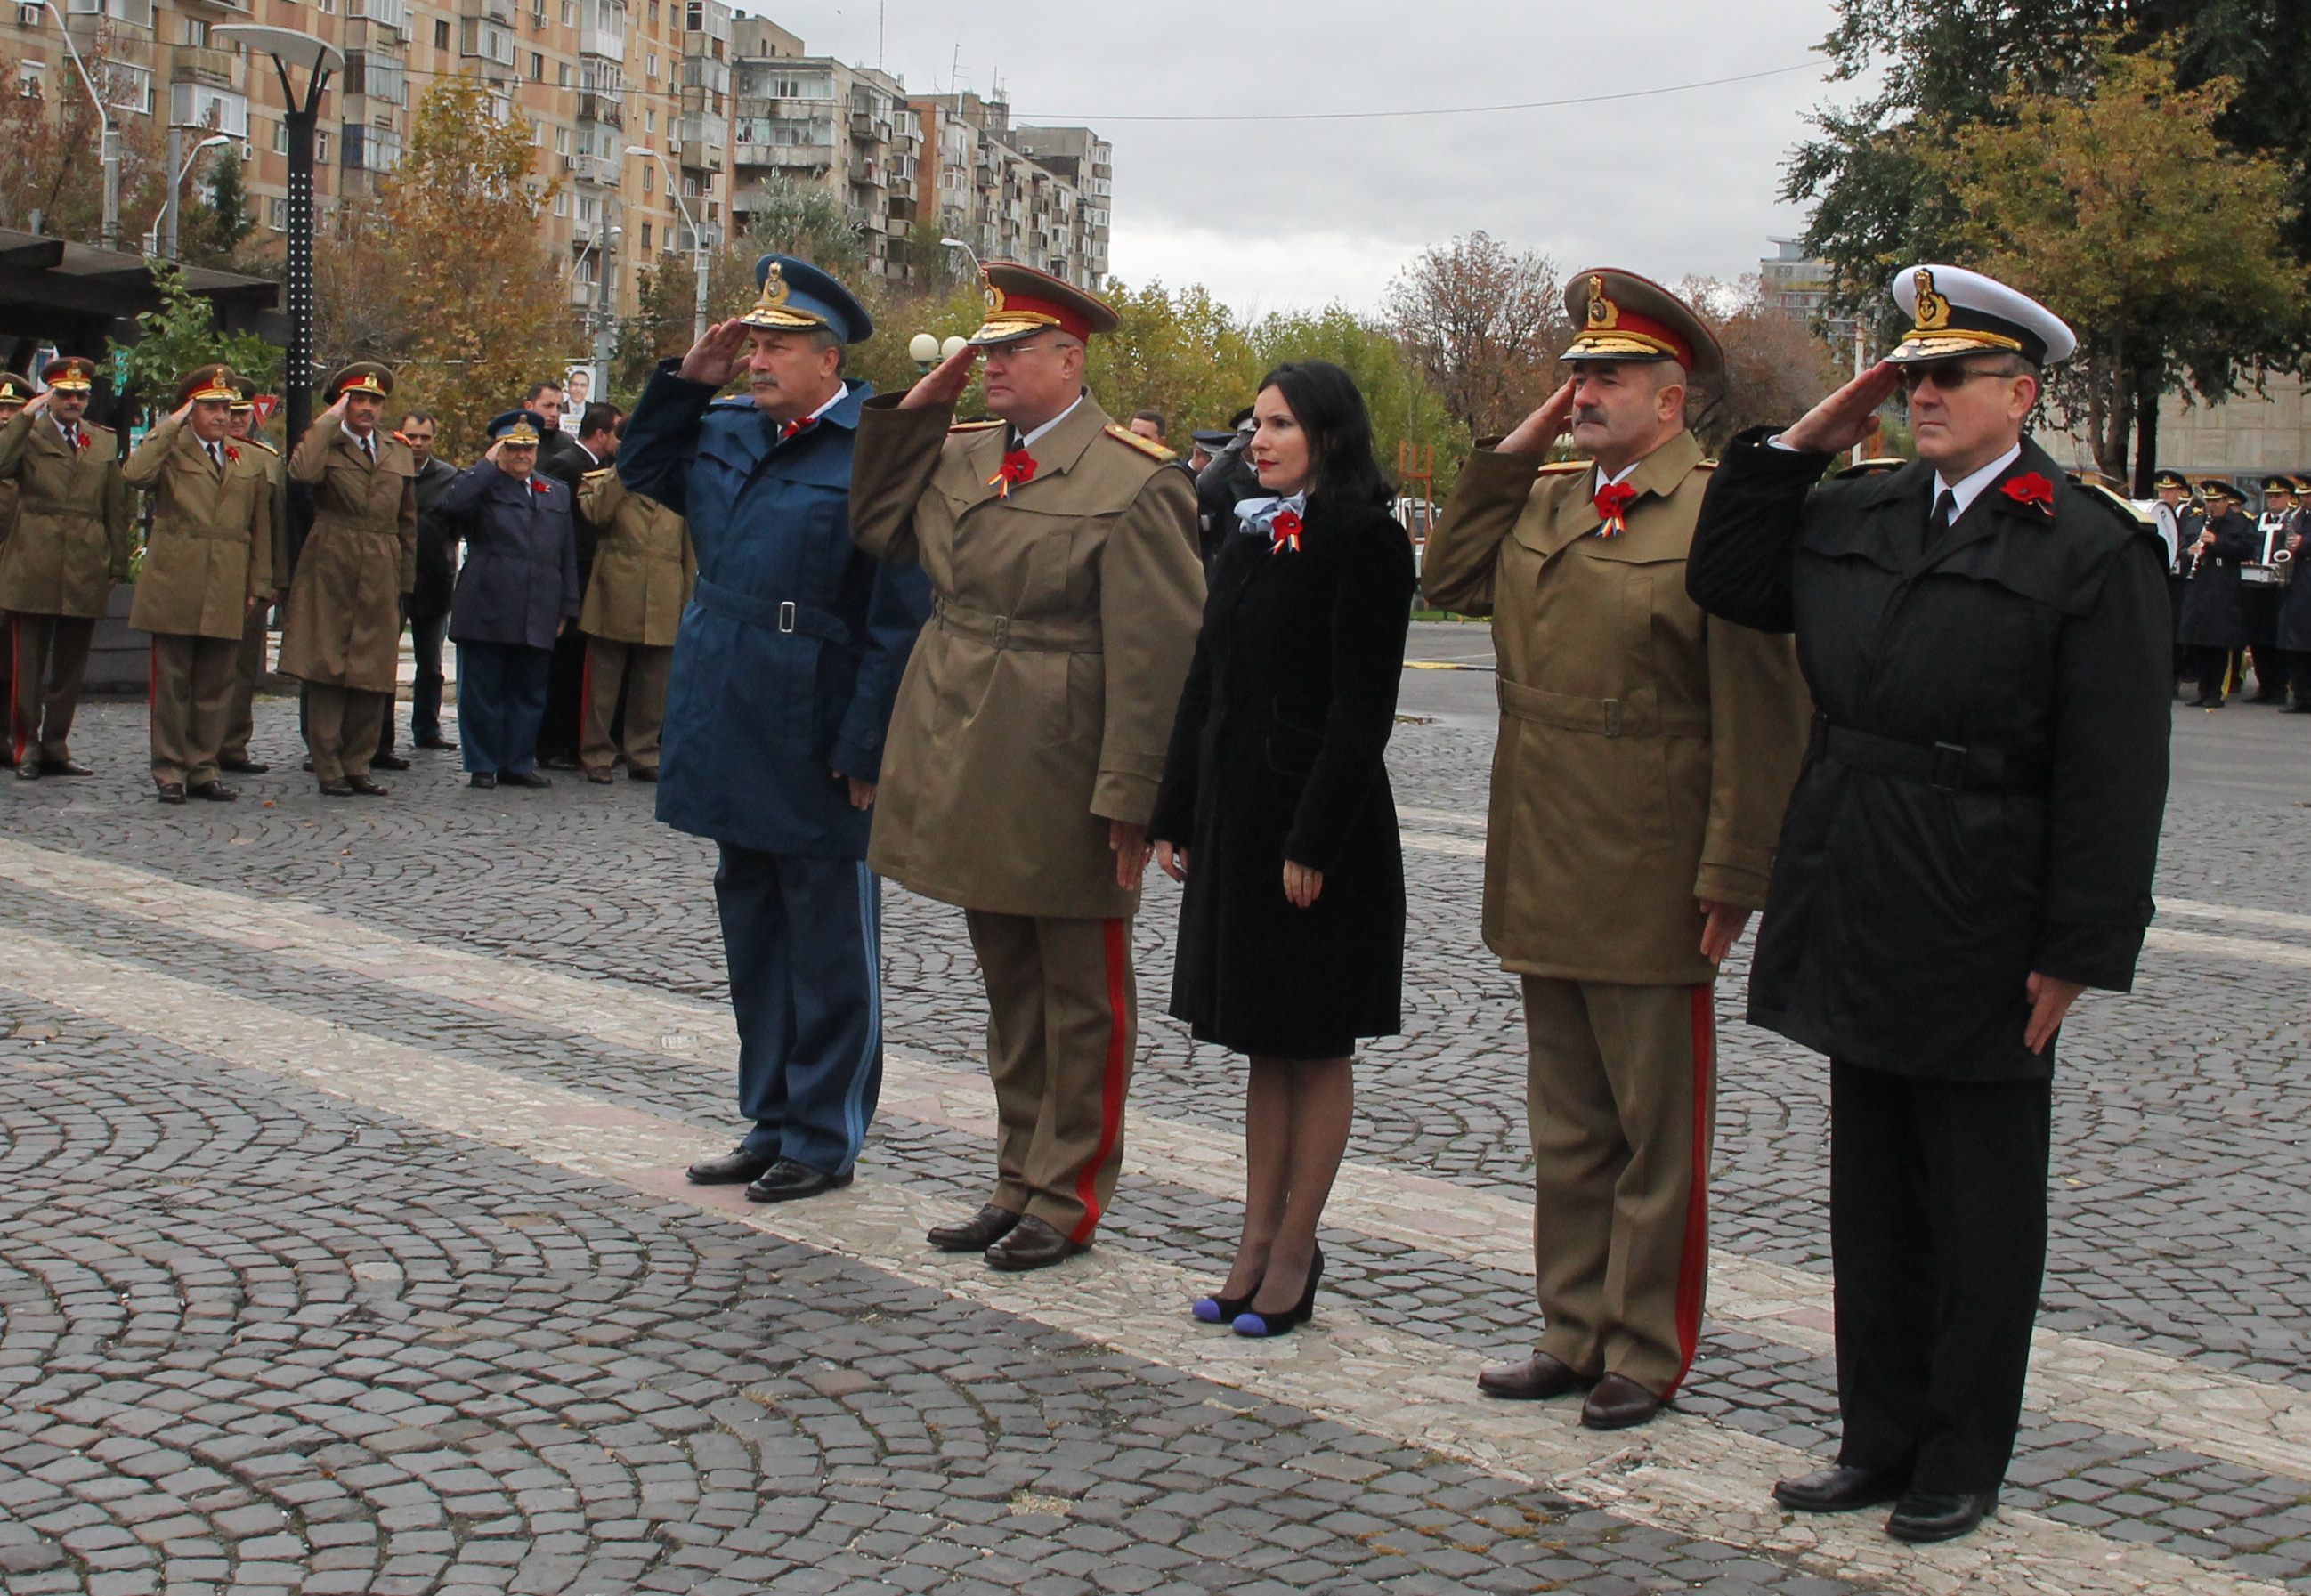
796,294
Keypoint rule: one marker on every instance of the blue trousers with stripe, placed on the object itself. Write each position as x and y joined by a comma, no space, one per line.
803,937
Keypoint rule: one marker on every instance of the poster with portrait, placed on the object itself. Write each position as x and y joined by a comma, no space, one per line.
578,391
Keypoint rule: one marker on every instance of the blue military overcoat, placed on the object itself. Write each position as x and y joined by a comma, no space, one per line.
793,643
520,579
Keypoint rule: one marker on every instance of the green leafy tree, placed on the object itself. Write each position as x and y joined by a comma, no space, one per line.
807,220
2128,216
214,229
183,333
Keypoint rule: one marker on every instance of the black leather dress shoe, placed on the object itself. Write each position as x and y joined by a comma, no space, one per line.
1535,1380
735,1167
642,772
214,792
64,767
28,769
1619,1403
337,786
171,792
1922,1517
1031,1245
1838,1489
524,779
243,767
388,762
368,788
982,1231
442,744
786,1181
485,780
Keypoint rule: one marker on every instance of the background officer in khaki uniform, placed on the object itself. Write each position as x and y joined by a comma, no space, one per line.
1028,740
1646,753
208,564
73,538
341,635
249,662
643,571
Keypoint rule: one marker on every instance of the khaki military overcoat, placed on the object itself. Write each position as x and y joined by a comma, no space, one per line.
276,471
1646,751
211,547
75,532
1038,701
342,626
644,565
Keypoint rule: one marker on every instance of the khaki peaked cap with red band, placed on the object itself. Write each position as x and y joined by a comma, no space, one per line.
1021,301
1622,317
204,384
74,373
362,377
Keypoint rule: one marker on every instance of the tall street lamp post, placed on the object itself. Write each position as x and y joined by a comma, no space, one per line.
318,58
109,150
166,222
697,239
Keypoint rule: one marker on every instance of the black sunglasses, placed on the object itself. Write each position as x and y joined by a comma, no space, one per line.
1948,379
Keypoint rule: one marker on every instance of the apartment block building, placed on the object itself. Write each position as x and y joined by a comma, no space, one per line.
651,118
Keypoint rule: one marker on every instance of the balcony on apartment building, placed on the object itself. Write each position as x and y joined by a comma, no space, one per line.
602,29
606,109
783,157
706,142
193,63
384,16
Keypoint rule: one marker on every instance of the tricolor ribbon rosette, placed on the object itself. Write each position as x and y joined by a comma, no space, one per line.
1279,520
1612,502
1018,467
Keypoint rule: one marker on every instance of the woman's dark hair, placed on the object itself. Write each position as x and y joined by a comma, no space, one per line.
1325,401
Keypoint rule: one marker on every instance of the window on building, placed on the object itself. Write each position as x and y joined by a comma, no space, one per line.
536,67
29,74
562,69
649,121
646,226
585,208
653,14
561,204
562,141
570,14
440,33
276,215
650,67
281,138
320,149
650,176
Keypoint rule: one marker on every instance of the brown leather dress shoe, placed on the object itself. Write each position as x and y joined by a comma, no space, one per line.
982,1231
171,792
64,767
214,792
337,786
1031,1245
1619,1403
600,772
367,788
1536,1379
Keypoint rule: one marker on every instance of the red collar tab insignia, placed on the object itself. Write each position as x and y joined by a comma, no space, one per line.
2032,489
1018,466
795,429
1612,502
1284,532
537,486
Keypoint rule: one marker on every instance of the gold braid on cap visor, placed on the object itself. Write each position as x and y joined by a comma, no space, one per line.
1933,343
1620,342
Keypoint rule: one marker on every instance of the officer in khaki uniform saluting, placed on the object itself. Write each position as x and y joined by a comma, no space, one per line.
1028,740
249,662
341,634
207,566
73,538
1646,753
643,571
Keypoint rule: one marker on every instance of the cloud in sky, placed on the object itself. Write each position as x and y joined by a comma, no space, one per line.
1280,214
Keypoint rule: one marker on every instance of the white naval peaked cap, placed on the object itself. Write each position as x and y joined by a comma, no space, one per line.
1955,311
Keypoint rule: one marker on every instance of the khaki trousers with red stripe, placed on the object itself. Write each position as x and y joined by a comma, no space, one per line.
1621,1098
1061,1021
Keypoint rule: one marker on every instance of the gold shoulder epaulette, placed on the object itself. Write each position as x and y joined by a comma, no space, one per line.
2117,501
975,426
1707,466
597,474
261,443
1564,468
1147,446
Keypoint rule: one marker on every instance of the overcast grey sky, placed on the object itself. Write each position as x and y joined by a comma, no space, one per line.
1276,215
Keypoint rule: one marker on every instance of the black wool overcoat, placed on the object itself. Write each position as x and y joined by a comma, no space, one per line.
1982,795
1276,754
2213,613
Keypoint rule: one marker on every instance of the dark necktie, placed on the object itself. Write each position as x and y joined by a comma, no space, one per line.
369,447
216,458
1945,512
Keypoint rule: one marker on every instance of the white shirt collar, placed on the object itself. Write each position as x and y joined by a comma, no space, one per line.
1027,439
1968,489
1604,482
369,443
841,392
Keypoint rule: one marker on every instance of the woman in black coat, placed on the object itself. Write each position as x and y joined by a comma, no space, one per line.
1292,926
517,593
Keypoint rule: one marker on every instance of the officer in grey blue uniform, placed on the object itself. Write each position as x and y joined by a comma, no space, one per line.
784,672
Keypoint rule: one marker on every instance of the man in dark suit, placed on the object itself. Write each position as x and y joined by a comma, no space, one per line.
437,579
1969,847
567,459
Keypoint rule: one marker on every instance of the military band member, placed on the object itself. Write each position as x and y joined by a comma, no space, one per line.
1646,752
2294,632
74,536
643,571
1969,847
1029,736
2262,580
779,692
208,563
249,662
341,633
2212,623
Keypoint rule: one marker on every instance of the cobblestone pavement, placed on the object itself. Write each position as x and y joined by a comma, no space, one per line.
256,1339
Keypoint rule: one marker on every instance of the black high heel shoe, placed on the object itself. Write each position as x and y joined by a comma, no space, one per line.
1221,1310
1257,1325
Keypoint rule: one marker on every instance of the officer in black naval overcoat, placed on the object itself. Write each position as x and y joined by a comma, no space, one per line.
1969,846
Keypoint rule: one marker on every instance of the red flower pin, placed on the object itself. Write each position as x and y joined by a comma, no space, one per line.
231,455
80,439
537,486
1613,505
2033,489
1284,532
1018,467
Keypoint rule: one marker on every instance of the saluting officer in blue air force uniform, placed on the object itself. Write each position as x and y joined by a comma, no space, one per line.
784,672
